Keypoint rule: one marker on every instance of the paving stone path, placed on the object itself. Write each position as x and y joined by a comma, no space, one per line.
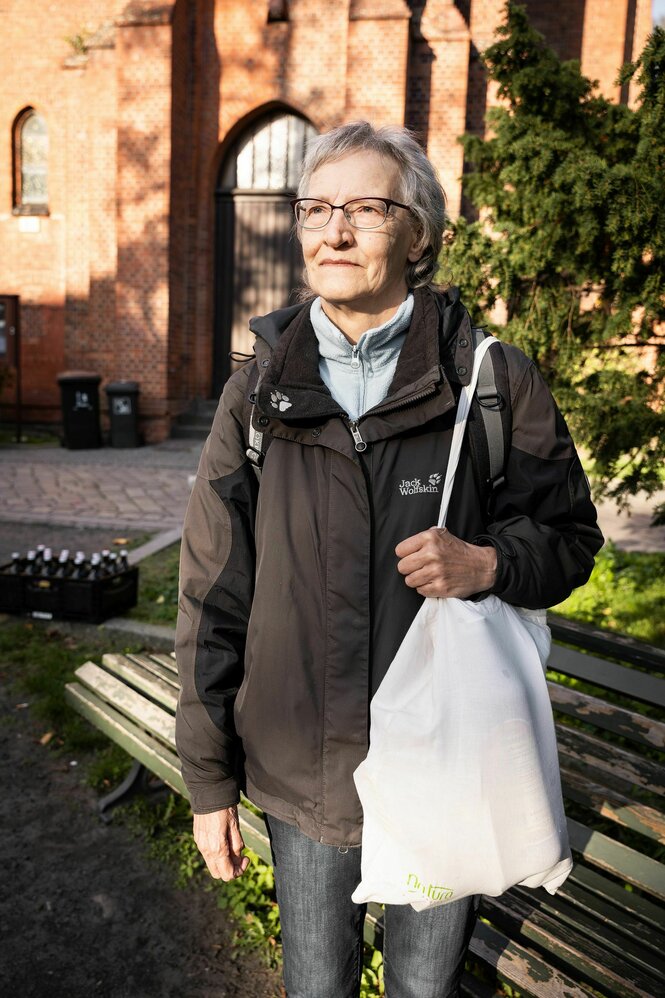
146,488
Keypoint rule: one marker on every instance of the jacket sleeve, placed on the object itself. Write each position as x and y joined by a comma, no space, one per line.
544,525
216,587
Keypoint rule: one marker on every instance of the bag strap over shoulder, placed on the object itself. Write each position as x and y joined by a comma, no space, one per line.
461,417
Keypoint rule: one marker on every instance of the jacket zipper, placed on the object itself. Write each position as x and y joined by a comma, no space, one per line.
358,441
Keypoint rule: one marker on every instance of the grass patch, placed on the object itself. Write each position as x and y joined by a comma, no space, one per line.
158,587
626,593
37,659
38,438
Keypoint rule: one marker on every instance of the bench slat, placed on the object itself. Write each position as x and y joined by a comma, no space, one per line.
631,682
632,904
608,643
522,967
619,765
597,963
254,833
604,915
618,859
143,681
610,804
137,707
158,669
168,661
593,710
594,937
129,736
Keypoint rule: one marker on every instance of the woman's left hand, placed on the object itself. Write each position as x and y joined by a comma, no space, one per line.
436,563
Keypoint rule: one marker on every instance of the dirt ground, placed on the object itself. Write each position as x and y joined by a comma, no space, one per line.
83,911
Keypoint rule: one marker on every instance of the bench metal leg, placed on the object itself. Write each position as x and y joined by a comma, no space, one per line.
139,780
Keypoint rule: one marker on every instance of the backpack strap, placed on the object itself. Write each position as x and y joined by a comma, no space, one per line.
254,438
490,429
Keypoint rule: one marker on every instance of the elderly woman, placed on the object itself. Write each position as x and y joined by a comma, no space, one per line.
297,593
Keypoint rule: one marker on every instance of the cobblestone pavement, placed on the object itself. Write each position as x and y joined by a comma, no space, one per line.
144,488
633,532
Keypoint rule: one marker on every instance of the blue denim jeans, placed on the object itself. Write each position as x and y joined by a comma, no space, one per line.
322,929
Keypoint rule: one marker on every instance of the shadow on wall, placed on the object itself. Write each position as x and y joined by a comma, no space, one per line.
196,75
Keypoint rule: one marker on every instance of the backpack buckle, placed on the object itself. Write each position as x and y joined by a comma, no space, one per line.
490,399
255,457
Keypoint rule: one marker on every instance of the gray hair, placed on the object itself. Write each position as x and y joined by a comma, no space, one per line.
420,187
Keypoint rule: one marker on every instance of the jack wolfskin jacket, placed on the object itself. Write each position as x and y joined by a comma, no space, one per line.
291,605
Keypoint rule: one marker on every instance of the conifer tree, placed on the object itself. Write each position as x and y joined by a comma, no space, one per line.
570,190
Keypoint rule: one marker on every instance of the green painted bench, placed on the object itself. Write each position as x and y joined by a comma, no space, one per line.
603,933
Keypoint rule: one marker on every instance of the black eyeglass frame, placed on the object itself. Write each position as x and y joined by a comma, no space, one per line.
388,202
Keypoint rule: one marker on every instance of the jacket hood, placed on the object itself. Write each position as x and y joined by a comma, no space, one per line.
453,314
271,326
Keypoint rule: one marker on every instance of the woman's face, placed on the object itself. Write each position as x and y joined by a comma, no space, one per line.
359,269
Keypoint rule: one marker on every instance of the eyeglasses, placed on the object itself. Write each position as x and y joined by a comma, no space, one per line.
362,213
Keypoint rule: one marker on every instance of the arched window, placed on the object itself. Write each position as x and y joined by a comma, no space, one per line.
30,163
268,156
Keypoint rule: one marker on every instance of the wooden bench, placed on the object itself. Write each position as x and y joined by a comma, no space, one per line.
603,933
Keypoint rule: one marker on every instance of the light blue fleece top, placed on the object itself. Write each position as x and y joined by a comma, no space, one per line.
359,376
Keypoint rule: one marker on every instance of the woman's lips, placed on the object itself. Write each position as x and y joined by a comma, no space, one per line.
337,263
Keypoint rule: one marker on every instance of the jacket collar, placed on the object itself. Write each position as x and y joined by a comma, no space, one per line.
438,347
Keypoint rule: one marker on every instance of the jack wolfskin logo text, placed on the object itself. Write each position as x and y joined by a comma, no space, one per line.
412,486
435,893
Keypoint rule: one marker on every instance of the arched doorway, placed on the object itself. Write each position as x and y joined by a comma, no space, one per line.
257,261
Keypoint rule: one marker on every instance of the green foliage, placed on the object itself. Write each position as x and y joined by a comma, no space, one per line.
79,42
166,829
571,238
371,981
252,901
108,768
158,587
31,436
626,592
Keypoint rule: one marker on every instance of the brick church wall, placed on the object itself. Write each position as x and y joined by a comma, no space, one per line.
119,277
45,259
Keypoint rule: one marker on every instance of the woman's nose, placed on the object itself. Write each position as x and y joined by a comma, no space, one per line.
338,230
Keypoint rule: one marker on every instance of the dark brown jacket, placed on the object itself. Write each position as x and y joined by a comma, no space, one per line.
291,605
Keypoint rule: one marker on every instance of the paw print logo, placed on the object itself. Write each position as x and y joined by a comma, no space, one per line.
279,401
435,478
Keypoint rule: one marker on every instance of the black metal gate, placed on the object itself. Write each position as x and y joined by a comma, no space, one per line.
258,260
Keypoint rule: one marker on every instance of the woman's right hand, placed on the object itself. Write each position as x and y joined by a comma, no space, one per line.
219,840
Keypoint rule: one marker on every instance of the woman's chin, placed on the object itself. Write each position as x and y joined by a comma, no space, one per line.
337,294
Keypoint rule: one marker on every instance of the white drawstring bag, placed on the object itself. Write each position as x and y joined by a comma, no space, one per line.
460,790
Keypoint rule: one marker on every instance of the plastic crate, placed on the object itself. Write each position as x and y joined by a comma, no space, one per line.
49,598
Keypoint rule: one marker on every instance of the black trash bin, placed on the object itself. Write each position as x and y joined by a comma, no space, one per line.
123,399
80,409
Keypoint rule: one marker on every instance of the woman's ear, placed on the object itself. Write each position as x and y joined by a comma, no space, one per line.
417,247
